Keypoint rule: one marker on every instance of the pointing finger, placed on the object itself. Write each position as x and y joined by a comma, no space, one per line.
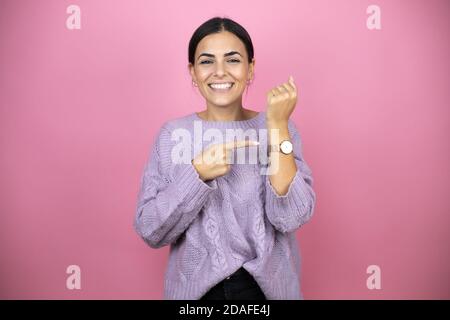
240,144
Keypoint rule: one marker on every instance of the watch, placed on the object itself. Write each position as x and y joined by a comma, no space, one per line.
284,147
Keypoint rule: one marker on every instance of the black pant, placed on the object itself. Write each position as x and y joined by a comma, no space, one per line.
239,286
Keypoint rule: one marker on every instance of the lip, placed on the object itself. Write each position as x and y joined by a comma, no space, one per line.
218,82
220,90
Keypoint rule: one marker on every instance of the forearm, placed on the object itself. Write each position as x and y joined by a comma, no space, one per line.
287,168
165,210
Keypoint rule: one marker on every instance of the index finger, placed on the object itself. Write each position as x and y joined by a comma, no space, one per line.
240,144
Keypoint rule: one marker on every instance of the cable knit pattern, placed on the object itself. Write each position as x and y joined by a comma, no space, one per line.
215,227
218,261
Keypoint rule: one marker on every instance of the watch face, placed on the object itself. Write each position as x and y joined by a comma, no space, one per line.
286,147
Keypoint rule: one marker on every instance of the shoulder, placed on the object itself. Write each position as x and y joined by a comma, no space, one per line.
170,132
181,122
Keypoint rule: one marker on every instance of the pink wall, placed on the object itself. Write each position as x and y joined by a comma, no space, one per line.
79,110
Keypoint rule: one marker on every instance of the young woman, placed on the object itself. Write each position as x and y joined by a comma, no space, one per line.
231,229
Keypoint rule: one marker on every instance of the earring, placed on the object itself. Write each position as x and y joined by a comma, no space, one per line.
249,81
194,83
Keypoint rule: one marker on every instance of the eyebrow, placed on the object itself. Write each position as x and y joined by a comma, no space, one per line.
225,54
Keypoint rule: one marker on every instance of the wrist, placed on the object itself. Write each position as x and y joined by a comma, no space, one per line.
276,124
277,132
196,169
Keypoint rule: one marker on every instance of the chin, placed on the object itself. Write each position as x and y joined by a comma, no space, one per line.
222,103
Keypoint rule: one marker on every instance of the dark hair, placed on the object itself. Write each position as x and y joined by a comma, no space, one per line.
216,25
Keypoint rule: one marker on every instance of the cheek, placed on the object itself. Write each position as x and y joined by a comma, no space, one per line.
239,73
202,73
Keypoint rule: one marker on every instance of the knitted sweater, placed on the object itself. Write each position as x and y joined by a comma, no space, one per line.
215,227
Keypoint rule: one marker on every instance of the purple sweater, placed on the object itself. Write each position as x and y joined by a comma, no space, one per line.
215,227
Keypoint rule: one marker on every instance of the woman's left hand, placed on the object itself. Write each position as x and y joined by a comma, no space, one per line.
281,102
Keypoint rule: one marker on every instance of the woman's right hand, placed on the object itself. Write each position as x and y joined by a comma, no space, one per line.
214,161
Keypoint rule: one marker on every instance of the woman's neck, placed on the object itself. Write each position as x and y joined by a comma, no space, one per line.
229,113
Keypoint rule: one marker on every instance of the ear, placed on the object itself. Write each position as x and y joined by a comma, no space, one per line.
191,71
251,69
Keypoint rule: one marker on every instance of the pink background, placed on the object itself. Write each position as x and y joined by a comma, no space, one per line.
79,110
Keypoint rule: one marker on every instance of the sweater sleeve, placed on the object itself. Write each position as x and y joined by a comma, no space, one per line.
170,196
290,211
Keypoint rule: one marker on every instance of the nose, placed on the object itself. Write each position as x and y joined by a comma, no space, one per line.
220,69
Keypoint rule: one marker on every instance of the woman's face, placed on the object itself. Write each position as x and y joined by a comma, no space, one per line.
221,61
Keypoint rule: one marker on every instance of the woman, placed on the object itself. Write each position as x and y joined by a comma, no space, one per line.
230,227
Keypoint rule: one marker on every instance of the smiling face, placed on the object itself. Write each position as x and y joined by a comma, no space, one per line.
221,69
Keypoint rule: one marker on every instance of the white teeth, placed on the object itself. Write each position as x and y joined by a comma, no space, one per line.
221,86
